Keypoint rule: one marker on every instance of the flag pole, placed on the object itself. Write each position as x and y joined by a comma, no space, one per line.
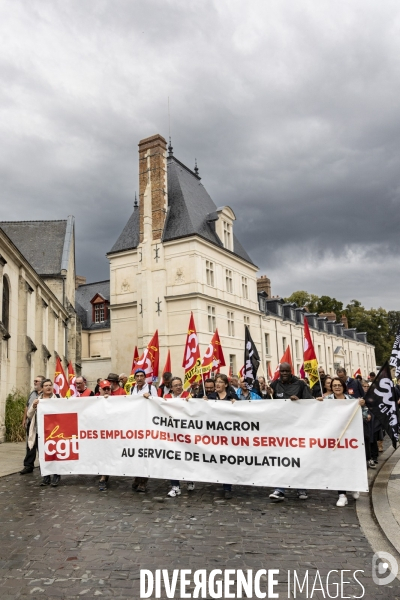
347,425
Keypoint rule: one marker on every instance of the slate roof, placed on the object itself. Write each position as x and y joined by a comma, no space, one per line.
190,211
40,242
84,295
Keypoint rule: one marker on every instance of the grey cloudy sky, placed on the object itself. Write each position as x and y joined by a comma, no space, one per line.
291,108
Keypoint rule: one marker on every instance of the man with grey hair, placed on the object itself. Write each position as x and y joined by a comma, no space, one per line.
30,456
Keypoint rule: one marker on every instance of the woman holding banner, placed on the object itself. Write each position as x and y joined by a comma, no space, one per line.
224,391
47,392
339,393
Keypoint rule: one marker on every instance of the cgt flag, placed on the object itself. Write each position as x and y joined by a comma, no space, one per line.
150,359
191,358
71,381
394,360
131,379
310,358
60,385
214,357
381,401
251,358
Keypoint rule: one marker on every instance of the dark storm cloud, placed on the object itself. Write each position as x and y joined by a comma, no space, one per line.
291,110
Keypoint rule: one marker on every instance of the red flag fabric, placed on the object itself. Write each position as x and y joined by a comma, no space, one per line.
135,359
191,358
150,359
310,358
71,381
241,372
167,366
358,372
286,358
214,356
302,372
60,385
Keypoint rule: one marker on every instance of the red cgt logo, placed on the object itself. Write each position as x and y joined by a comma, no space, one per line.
61,437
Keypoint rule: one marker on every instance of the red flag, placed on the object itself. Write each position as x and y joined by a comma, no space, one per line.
135,359
214,357
241,372
302,372
310,358
71,381
286,358
150,359
358,372
167,366
60,385
191,358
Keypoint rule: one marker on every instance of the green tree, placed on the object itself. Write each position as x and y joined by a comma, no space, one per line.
394,323
375,323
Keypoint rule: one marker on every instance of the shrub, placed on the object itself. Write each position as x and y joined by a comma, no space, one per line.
15,406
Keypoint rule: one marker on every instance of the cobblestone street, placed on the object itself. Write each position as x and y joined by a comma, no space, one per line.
74,541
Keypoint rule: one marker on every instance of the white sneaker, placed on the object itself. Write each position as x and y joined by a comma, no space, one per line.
174,491
342,501
190,486
355,495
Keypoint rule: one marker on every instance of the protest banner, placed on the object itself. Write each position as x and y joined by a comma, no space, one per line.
264,443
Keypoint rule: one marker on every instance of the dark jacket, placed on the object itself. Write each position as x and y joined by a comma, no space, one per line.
354,388
230,395
294,387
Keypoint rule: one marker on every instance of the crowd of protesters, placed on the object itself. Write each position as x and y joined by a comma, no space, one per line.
286,386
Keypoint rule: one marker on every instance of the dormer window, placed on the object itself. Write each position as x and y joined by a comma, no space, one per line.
224,226
227,235
99,309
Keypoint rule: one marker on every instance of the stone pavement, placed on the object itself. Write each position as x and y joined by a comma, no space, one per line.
11,457
73,541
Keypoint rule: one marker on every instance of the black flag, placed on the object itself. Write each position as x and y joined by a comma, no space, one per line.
251,358
394,360
381,401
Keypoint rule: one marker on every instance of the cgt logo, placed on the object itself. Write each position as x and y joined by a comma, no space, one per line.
61,437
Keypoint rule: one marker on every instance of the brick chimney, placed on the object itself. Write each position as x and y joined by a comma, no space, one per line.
345,321
152,186
264,285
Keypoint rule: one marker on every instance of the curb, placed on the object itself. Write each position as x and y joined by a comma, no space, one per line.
380,501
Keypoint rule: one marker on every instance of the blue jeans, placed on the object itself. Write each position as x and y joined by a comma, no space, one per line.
283,490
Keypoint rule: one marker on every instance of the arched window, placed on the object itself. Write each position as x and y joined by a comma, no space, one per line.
5,313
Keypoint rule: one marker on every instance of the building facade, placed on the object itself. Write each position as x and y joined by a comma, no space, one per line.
178,254
37,303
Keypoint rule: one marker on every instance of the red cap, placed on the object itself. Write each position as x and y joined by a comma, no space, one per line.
105,383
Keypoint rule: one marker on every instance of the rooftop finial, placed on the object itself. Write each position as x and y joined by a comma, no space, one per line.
196,170
135,204
170,148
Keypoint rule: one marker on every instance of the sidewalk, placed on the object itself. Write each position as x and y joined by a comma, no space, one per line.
386,499
11,457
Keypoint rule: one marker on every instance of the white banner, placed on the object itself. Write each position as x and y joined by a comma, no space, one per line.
274,443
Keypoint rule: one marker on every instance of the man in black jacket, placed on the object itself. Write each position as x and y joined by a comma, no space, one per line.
288,387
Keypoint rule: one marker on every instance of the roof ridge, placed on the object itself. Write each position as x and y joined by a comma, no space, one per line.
184,166
95,282
38,221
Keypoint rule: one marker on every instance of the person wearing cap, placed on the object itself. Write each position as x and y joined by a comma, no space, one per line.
115,389
141,387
